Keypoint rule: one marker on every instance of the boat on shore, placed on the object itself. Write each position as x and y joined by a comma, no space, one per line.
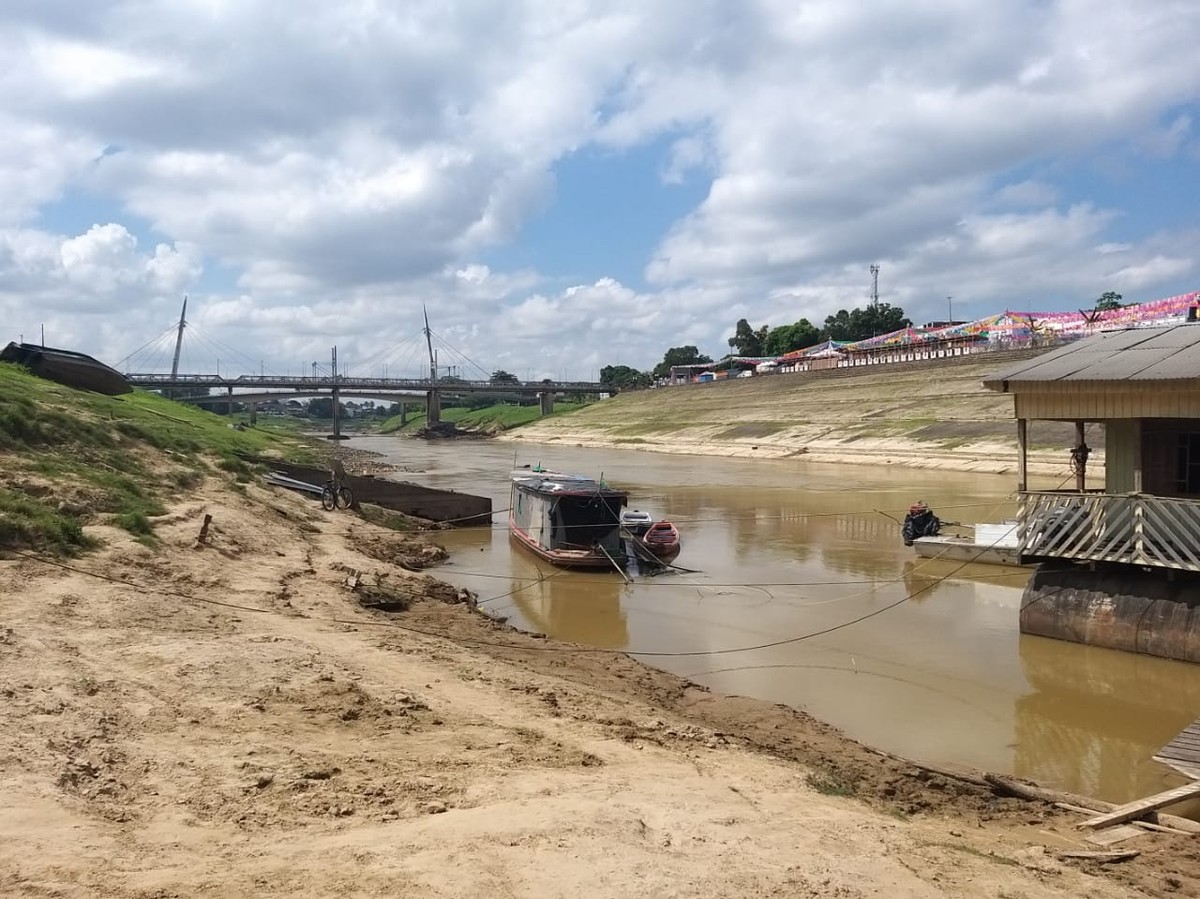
67,367
662,539
569,520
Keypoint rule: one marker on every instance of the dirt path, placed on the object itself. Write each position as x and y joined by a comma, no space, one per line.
239,725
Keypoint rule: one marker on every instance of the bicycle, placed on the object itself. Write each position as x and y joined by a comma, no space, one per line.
335,495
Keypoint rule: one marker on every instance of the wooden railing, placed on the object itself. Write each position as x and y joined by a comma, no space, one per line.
1132,528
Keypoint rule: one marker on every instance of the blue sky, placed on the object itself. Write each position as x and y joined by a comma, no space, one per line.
609,207
566,185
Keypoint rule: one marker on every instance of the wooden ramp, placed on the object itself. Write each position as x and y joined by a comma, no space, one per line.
1183,753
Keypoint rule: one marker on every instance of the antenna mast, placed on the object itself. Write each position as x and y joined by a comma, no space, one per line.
875,284
179,341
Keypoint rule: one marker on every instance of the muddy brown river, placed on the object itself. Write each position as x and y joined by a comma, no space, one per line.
786,555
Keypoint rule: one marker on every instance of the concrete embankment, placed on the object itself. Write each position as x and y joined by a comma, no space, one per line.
928,415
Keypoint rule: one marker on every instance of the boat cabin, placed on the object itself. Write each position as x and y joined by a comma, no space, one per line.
1141,384
566,519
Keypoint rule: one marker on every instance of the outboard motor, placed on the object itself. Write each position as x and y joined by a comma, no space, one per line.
919,522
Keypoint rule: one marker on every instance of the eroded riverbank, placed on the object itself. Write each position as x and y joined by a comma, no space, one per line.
226,720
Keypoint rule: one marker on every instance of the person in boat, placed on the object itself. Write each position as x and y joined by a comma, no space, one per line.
919,522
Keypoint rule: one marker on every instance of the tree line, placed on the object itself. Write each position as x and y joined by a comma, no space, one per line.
855,324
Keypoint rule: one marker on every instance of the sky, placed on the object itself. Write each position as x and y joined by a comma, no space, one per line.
565,185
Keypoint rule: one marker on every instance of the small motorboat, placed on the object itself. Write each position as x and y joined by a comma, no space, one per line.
662,539
636,521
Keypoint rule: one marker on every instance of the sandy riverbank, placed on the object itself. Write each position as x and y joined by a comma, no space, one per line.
238,724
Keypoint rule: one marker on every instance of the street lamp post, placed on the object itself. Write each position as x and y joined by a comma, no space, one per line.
949,310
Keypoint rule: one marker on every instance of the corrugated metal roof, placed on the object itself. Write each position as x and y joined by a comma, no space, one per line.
1136,354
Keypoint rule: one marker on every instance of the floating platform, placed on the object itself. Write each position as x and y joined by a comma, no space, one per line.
460,509
1183,753
1117,606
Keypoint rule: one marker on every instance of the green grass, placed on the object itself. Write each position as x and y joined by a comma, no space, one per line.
828,783
501,417
70,457
28,523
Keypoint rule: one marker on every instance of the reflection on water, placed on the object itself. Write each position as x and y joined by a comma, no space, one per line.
804,594
1091,712
554,605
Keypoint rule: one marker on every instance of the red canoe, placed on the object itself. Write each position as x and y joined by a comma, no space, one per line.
662,539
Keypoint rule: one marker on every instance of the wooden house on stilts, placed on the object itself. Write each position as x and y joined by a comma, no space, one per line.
1119,565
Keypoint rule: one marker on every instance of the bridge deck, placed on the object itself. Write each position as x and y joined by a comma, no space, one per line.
157,381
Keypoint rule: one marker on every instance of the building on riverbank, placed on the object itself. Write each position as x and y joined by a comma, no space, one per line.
1119,564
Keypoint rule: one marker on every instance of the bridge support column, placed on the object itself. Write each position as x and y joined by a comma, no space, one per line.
229,403
546,402
253,414
337,414
433,407
403,415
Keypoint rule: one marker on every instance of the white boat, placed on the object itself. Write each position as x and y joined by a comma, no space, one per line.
993,544
636,521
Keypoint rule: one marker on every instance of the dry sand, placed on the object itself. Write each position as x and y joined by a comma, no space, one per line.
238,725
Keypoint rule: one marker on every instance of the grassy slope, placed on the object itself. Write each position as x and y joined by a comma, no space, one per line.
945,407
70,457
491,418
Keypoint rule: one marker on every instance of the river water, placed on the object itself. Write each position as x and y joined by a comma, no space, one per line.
787,554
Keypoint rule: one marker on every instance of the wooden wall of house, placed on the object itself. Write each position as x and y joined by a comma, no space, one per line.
1122,442
1085,402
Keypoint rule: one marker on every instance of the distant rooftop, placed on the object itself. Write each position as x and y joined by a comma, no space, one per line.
1141,355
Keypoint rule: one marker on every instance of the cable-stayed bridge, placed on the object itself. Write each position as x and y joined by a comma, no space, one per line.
254,388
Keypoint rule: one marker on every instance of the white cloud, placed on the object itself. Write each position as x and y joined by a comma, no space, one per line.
336,166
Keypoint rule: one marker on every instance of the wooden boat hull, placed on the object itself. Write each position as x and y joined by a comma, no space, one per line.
67,367
662,539
961,549
563,558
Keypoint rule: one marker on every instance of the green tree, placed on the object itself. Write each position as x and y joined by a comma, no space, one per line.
623,377
746,340
859,324
1110,299
679,355
320,407
500,376
796,336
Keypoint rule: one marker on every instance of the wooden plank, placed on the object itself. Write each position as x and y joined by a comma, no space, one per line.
1141,806
1187,769
1110,835
1122,855
1184,744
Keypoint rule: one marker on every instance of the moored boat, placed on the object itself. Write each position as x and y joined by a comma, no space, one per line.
568,520
964,549
993,544
636,521
662,539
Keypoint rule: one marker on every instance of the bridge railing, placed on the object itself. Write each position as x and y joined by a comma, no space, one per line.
343,382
